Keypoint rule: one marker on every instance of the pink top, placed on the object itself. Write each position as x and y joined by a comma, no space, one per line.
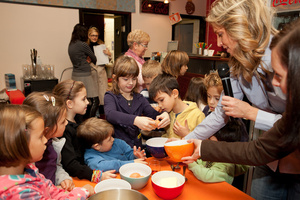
33,185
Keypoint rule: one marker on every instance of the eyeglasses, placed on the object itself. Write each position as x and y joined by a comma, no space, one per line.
144,45
94,35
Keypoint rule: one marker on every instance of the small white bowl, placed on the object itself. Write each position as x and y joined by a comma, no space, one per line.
136,183
109,184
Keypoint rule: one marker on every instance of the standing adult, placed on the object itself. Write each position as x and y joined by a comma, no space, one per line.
137,41
100,72
280,140
246,36
81,56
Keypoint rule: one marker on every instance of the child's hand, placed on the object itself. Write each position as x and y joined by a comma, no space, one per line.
179,130
108,174
89,188
67,184
138,153
140,160
164,120
144,123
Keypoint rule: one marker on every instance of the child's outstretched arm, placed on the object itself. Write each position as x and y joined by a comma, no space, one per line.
139,153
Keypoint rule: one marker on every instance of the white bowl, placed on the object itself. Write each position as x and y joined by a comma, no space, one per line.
109,184
130,168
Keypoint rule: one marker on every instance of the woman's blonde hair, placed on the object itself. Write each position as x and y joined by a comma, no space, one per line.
249,23
90,31
124,66
137,36
15,125
173,62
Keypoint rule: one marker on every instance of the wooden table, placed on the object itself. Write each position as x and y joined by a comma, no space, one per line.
193,188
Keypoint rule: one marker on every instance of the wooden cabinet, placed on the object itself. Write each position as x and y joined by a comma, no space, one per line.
203,64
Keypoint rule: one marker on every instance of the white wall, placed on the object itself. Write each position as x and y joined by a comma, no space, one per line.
24,27
48,29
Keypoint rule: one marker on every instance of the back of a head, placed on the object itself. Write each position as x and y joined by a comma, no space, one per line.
151,68
49,105
196,91
15,125
79,33
231,132
173,62
163,83
94,130
68,89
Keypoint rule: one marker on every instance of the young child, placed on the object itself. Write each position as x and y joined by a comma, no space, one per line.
104,152
23,143
211,172
53,110
196,92
74,95
184,115
214,89
123,105
175,63
150,69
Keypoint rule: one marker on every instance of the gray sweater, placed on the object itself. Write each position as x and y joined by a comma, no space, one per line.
78,52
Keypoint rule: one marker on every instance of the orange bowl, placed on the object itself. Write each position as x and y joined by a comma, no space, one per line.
178,149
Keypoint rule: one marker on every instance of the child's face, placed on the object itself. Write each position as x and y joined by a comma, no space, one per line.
165,101
107,144
148,81
37,142
126,84
183,69
80,102
61,125
213,97
280,75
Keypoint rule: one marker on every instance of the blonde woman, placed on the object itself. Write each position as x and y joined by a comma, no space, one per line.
99,72
244,29
137,41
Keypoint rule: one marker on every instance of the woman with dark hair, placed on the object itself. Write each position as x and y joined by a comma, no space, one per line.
81,55
283,139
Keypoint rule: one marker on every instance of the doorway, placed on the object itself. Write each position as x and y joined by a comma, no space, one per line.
113,27
189,31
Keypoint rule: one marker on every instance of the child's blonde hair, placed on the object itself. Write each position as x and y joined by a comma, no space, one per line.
151,68
15,125
196,91
68,89
213,80
124,66
94,130
174,61
50,106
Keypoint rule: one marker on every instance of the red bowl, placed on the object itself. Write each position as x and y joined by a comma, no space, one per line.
167,192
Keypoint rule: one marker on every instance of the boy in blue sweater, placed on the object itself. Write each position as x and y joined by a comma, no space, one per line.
103,151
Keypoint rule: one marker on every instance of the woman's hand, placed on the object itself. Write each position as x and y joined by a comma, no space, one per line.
164,119
195,156
108,174
138,153
67,184
179,130
144,123
88,59
107,52
238,109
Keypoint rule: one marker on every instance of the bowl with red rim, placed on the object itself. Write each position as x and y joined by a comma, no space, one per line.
167,184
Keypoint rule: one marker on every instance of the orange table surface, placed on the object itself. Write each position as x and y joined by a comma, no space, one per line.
193,188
